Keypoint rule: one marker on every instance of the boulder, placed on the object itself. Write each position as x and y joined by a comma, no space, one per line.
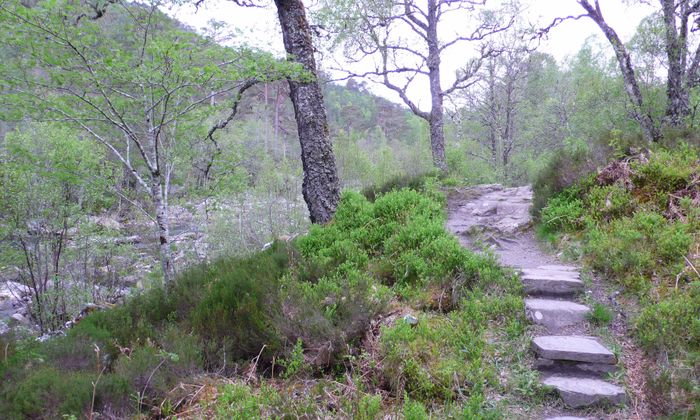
19,320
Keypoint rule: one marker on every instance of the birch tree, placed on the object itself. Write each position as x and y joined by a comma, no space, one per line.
682,56
405,41
132,81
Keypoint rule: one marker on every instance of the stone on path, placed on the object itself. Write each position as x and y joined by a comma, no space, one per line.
574,348
551,284
557,267
555,313
539,272
582,392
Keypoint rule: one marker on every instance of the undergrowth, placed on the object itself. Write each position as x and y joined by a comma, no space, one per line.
303,329
637,221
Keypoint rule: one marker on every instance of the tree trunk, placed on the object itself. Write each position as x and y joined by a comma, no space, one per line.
437,119
508,131
677,106
492,116
278,102
320,187
160,202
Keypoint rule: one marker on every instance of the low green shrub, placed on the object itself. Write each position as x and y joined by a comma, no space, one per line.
562,213
444,356
368,408
666,171
414,410
608,203
294,364
632,248
564,169
238,401
672,324
237,318
670,330
48,392
414,182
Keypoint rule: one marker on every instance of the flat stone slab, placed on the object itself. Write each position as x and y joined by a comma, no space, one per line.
550,274
584,392
558,267
550,285
555,313
574,348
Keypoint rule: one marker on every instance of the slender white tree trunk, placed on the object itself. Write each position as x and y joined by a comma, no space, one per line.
160,201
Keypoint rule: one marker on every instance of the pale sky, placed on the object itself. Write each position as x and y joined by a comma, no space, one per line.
258,27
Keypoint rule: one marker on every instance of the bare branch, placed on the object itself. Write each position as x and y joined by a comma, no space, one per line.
542,32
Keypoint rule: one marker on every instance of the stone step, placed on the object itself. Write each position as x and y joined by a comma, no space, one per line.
573,348
550,273
555,313
550,284
583,392
558,267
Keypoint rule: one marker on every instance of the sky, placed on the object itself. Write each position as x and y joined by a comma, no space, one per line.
258,27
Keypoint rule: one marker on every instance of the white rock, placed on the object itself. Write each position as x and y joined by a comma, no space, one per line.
19,319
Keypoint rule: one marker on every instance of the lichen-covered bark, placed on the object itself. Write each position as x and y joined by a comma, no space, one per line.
437,119
160,202
678,105
320,186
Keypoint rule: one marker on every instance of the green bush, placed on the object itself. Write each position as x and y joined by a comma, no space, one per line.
564,169
670,329
610,202
238,401
667,170
414,182
632,248
48,392
414,410
368,408
394,228
562,213
444,356
673,324
238,316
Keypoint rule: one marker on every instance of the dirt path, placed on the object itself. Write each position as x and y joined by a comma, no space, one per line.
497,218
